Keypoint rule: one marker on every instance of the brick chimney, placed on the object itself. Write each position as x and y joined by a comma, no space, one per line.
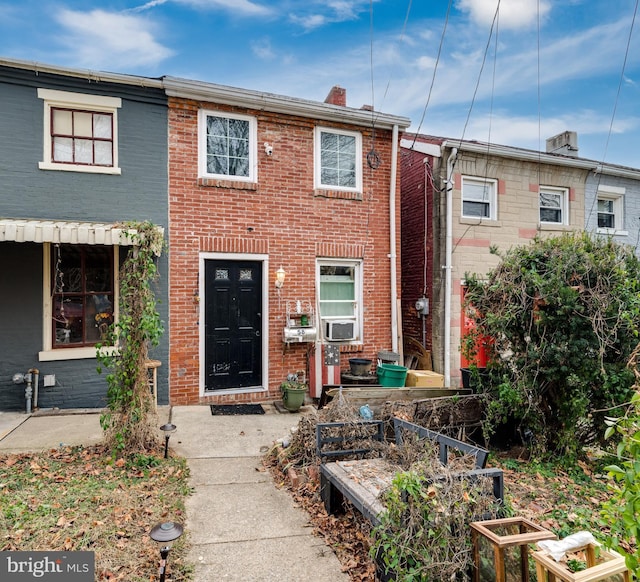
337,96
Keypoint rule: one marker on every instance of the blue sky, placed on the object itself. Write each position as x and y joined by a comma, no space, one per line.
540,68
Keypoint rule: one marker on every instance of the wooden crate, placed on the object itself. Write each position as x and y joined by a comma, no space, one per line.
424,379
608,564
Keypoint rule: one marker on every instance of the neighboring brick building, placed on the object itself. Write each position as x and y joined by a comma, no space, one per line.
260,182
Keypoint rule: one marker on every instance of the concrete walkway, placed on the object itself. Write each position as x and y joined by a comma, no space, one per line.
241,527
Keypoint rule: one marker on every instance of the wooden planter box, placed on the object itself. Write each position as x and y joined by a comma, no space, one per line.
609,565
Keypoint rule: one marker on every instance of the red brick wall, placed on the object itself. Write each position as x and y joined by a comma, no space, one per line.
417,216
280,216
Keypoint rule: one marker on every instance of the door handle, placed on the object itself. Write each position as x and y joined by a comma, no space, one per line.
258,333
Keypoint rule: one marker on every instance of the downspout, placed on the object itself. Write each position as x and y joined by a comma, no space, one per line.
448,267
392,242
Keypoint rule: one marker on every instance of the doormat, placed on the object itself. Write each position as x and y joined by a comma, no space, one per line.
236,409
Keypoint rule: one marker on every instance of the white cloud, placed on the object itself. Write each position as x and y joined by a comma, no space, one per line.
263,49
330,12
513,13
147,6
244,7
425,63
111,41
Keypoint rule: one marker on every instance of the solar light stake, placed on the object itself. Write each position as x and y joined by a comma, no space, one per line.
167,429
164,534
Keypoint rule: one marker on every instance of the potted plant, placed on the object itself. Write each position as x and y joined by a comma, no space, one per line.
293,392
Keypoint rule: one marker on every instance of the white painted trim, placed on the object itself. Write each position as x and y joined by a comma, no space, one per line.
49,353
317,143
358,264
264,259
202,145
493,203
564,193
69,100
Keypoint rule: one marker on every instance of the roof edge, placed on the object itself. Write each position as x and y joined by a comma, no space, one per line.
535,156
89,74
251,99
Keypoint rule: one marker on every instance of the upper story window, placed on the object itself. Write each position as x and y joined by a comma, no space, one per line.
80,132
340,298
338,159
610,209
554,205
227,146
479,198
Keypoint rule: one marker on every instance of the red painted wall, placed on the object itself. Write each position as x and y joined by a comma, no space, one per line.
417,243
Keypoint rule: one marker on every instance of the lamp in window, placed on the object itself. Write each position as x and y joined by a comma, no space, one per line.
280,277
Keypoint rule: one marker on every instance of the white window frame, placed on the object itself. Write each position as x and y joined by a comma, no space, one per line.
78,101
563,193
356,264
317,174
202,145
492,200
613,194
49,353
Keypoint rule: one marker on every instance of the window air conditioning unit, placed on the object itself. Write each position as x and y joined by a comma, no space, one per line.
337,330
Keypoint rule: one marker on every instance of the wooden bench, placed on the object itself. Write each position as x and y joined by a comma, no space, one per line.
362,480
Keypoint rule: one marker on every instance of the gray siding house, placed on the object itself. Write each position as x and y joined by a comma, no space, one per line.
81,153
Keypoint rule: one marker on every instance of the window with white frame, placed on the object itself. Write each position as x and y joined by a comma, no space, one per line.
338,159
479,198
610,209
339,298
554,205
227,146
80,291
80,132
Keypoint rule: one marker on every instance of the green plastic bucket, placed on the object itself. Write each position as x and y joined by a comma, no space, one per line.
391,375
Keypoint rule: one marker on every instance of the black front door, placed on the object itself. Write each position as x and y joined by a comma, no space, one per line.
233,324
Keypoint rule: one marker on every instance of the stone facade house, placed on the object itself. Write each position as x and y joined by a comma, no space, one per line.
462,198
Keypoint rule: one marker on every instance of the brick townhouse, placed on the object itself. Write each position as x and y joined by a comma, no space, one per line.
284,221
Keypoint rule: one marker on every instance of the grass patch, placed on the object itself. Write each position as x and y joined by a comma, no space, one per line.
564,497
80,498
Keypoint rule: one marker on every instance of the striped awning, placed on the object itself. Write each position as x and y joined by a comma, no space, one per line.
62,231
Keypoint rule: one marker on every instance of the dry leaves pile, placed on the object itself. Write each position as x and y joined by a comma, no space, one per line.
559,500
77,498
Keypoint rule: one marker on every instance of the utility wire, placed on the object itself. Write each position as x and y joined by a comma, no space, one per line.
433,77
615,107
402,33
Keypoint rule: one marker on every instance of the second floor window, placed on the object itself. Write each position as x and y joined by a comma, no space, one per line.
80,132
338,159
479,198
227,146
81,137
553,206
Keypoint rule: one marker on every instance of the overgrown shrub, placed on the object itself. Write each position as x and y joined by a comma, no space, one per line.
127,423
622,511
562,315
424,533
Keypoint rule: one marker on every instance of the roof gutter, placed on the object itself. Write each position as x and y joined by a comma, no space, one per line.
90,75
541,157
233,96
